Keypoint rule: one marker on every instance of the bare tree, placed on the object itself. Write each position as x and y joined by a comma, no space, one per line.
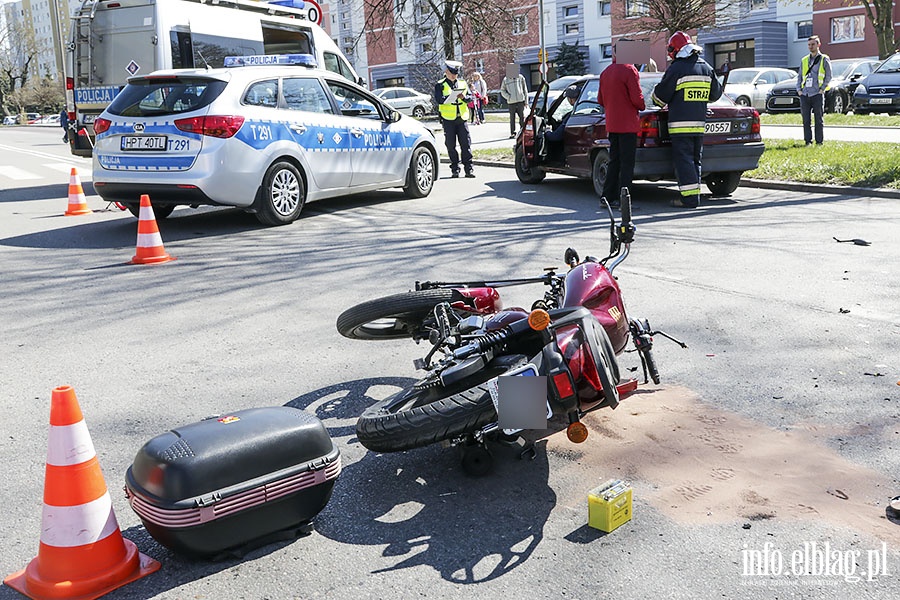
446,23
880,15
16,66
669,16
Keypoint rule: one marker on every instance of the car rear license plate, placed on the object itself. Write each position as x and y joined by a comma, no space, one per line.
718,127
143,142
88,119
784,100
881,100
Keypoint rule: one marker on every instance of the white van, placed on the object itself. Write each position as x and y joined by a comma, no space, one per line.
113,40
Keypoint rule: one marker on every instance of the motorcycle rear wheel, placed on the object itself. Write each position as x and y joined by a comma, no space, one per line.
392,317
433,414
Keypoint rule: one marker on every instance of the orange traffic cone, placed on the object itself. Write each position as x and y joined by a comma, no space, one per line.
82,553
77,203
149,243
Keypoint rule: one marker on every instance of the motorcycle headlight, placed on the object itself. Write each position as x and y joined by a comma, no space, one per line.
860,89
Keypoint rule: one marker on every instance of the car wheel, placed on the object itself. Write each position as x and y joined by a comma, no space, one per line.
525,173
743,101
839,106
282,195
599,171
160,211
421,174
723,184
418,112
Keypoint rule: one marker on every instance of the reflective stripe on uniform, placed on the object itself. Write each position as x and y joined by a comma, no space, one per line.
687,127
691,189
695,88
656,100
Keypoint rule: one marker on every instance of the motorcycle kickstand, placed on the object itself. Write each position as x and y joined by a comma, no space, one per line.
526,448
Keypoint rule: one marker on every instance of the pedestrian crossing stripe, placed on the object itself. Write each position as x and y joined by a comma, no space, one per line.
18,174
40,172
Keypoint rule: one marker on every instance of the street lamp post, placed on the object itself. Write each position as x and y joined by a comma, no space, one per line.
542,53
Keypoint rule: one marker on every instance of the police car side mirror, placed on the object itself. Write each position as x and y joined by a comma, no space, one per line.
395,116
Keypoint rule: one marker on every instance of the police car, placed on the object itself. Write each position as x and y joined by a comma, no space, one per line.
263,134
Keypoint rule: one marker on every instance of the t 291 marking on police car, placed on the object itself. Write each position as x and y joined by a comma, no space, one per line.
179,145
261,132
144,142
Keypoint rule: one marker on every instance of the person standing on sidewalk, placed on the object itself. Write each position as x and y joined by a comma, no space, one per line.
687,86
621,96
452,96
814,77
514,90
479,97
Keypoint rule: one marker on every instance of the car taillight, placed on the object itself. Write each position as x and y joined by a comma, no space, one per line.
649,129
101,125
754,122
220,126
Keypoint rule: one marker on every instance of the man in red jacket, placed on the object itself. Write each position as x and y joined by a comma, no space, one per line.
620,93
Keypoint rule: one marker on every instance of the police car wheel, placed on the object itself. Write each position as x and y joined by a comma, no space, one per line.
282,196
599,171
421,174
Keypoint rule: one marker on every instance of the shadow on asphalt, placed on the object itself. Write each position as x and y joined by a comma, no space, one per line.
421,507
183,224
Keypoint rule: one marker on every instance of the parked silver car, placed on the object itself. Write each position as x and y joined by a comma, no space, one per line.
266,139
406,100
749,86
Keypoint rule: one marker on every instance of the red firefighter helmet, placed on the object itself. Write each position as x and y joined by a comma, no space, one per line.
678,41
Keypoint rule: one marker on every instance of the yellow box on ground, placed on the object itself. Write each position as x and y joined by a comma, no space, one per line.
609,505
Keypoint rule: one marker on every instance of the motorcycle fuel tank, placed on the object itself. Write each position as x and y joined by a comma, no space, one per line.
484,300
592,286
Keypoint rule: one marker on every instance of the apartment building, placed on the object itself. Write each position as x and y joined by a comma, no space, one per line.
49,22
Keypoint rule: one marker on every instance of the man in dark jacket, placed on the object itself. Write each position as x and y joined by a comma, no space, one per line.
621,96
686,86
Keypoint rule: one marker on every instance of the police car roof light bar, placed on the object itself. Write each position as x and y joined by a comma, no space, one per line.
257,60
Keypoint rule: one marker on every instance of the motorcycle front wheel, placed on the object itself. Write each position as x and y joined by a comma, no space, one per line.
424,414
392,317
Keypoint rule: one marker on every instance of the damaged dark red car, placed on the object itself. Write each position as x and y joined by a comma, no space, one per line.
732,143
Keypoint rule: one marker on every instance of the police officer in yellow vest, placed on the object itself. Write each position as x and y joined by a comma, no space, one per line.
452,96
814,77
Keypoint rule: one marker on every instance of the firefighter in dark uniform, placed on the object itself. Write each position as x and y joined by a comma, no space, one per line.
686,86
452,97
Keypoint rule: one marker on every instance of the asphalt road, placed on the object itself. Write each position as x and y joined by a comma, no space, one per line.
790,377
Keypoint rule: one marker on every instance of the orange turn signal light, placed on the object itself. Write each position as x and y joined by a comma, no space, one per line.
577,432
539,319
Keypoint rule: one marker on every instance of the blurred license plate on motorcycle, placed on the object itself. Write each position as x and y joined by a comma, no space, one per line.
520,398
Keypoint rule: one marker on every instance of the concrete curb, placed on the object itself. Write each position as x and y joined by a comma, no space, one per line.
792,186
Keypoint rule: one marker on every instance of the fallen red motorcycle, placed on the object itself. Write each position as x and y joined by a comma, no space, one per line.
571,336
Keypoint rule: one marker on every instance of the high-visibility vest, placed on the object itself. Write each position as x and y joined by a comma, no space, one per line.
804,67
453,110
